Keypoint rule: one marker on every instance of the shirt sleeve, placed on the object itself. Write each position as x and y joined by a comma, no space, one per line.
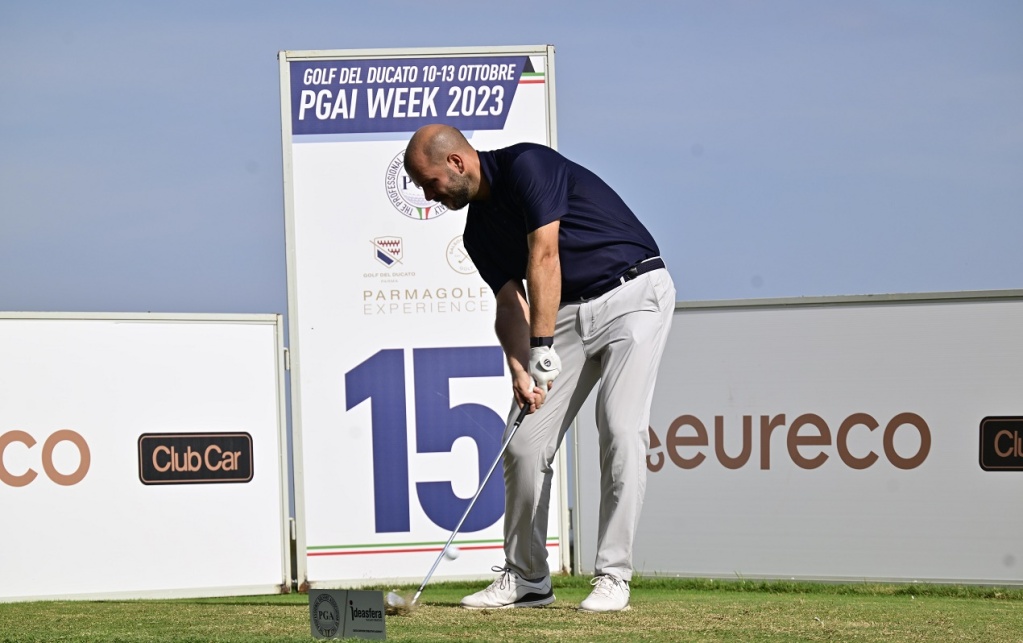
541,184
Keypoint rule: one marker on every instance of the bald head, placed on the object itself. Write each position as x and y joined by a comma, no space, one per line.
433,143
441,161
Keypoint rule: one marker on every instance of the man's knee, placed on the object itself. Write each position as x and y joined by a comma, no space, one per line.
518,453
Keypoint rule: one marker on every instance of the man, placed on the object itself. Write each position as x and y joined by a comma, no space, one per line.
597,305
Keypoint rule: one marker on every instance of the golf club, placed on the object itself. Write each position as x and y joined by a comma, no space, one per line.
396,602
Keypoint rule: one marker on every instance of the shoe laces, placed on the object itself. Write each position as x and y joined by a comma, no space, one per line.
503,581
606,584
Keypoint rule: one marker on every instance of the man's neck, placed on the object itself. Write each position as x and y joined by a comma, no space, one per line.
483,191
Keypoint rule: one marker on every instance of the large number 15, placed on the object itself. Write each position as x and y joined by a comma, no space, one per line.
381,379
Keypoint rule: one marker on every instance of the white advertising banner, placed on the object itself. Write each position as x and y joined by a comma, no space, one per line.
140,456
400,390
857,438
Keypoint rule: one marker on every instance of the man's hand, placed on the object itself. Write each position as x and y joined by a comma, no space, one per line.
544,366
526,392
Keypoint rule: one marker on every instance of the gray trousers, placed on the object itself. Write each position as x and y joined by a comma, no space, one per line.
616,339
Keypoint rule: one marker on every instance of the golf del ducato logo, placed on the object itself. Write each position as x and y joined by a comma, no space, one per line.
1001,444
458,257
195,458
405,196
388,250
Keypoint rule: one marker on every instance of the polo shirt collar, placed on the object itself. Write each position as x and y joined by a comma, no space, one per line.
488,168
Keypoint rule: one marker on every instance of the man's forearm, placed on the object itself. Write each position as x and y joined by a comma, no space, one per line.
544,283
512,326
512,330
543,280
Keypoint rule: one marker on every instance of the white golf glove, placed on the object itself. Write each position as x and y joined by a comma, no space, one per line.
544,365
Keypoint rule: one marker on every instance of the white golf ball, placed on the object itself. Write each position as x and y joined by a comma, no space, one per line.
452,553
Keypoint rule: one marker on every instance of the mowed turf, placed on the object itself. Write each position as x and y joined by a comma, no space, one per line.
663,610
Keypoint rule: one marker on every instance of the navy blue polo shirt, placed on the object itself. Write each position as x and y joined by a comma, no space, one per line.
532,185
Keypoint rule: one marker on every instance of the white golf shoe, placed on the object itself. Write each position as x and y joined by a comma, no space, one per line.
610,594
511,590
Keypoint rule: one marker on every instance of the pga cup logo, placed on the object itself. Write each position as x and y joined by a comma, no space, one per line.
405,196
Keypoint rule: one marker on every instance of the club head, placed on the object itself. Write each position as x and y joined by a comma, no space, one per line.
397,605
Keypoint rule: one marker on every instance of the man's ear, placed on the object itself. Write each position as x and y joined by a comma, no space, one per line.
455,160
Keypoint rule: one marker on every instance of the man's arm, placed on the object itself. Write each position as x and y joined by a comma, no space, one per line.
543,279
512,328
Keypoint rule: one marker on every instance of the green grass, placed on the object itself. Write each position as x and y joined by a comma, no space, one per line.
663,610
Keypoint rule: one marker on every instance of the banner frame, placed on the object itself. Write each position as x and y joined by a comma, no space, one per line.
283,473
285,58
584,541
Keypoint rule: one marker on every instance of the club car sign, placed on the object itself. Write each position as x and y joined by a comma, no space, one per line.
195,458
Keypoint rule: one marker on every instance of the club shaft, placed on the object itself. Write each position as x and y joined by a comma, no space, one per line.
472,503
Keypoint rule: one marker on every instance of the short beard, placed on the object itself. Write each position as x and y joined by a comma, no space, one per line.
459,193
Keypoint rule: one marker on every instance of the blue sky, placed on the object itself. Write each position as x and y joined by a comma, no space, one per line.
775,149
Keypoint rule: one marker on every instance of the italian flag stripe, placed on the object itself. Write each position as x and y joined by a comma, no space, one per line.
407,548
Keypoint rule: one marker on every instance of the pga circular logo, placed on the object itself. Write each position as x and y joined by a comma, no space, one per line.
326,615
406,196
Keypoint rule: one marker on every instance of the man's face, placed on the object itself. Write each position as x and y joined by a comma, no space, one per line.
442,183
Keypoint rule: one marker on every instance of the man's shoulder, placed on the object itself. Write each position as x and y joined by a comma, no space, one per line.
514,154
527,159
